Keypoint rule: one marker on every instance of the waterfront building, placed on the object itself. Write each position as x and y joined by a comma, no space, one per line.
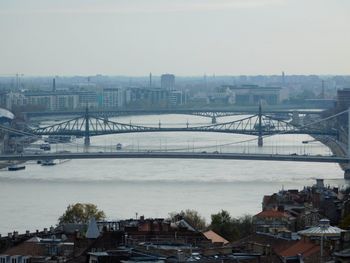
167,82
146,97
112,98
252,94
13,99
52,100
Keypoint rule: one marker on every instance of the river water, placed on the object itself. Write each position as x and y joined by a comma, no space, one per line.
35,197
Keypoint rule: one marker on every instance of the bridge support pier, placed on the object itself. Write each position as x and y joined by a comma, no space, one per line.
87,128
296,118
213,120
260,128
87,141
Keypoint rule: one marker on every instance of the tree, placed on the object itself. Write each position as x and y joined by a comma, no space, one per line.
222,223
231,228
81,213
191,216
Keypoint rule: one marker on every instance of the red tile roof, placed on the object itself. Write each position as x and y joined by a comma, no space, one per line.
304,247
214,237
272,214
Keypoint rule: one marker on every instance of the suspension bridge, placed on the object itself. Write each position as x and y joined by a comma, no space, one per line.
210,113
258,124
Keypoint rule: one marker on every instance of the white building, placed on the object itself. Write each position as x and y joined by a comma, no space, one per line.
112,98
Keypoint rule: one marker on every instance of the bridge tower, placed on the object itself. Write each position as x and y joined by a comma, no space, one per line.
87,128
213,119
260,129
296,118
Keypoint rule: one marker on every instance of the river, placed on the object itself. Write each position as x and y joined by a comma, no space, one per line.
35,197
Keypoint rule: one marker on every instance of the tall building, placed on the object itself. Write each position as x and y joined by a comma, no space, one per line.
343,98
167,82
112,98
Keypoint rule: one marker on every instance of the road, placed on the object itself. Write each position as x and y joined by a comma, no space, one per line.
177,155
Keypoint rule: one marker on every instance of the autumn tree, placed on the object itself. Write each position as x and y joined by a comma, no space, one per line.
81,213
191,216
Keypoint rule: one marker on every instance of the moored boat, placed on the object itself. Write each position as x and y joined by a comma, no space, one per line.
16,167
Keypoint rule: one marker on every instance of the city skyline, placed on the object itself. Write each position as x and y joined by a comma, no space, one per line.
231,37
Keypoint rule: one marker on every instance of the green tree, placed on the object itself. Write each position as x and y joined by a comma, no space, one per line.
191,216
231,228
223,224
81,213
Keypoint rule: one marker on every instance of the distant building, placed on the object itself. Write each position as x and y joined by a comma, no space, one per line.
112,98
50,100
176,97
343,98
253,94
146,97
167,82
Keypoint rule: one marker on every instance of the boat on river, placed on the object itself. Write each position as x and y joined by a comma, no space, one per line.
16,167
48,162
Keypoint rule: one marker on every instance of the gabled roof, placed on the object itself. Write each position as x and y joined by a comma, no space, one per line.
214,237
26,249
304,247
272,214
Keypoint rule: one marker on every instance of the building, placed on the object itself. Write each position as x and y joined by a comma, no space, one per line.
253,94
176,97
112,98
343,98
167,82
146,97
52,100
14,99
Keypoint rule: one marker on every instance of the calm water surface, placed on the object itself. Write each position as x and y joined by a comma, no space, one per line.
35,197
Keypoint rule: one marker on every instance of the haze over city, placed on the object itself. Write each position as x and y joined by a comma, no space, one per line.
175,131
184,37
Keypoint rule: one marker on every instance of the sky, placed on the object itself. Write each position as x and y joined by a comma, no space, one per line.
183,37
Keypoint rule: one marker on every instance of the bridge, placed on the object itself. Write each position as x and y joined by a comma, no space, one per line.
212,113
258,124
176,155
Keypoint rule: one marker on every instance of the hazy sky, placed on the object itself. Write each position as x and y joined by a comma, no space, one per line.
184,37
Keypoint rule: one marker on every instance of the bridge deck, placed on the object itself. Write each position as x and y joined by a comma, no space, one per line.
178,155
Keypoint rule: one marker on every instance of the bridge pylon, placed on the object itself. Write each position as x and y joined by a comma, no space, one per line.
260,128
87,128
213,119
